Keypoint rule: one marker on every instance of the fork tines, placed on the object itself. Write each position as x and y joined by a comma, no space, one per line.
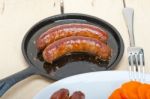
136,63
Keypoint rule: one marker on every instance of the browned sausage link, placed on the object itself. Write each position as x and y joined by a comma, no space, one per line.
61,94
76,44
66,30
77,95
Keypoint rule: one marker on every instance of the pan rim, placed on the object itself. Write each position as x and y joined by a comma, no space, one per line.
56,17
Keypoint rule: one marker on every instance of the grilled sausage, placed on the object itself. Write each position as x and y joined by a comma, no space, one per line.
77,95
61,94
76,44
72,29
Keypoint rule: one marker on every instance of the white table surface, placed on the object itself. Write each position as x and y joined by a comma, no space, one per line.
19,15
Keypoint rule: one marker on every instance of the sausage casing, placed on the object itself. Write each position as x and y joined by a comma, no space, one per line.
72,29
60,94
76,44
77,95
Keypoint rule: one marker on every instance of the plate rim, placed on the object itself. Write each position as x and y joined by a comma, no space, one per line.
124,77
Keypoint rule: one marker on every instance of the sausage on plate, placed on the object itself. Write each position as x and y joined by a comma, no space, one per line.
60,94
72,29
76,44
77,95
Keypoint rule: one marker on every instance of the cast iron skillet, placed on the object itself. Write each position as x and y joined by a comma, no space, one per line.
67,65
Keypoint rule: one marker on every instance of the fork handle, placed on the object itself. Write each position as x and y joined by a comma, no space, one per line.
128,14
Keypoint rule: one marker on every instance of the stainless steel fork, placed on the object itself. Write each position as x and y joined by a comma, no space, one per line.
135,54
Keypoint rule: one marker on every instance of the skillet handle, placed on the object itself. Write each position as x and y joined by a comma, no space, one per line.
8,82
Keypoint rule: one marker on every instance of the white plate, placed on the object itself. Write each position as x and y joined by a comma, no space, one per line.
95,85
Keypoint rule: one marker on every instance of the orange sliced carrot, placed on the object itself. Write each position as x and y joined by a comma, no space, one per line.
130,90
148,94
115,95
122,95
142,90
